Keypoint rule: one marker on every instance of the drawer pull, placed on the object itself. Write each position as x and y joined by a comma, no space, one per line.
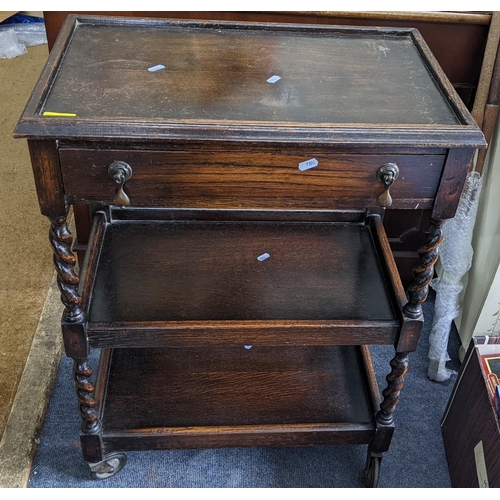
120,172
387,174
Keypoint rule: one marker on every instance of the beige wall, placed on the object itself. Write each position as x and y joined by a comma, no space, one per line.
476,300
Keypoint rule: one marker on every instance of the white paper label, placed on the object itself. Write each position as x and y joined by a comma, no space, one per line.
262,257
482,476
156,68
274,79
306,165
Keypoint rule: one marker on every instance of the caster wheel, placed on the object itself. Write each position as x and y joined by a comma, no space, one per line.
372,472
112,464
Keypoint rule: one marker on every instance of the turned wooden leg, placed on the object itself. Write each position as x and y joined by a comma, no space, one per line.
73,322
423,274
86,400
391,394
65,261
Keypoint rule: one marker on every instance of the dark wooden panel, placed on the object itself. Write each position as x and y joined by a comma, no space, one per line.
249,179
235,437
405,232
235,386
48,179
189,271
232,333
159,214
223,145
92,447
469,418
84,223
404,228
452,183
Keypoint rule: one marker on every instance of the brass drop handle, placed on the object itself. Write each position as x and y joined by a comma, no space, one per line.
120,172
387,174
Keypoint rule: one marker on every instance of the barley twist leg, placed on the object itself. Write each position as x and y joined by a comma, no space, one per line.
391,394
67,279
87,403
423,274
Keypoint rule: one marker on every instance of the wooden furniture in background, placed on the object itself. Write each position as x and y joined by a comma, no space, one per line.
235,293
458,40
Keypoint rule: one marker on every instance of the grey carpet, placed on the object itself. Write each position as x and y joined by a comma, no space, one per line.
416,458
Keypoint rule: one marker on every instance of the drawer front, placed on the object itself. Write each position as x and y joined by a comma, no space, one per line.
205,179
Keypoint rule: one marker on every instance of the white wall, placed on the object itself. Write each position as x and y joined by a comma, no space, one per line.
479,298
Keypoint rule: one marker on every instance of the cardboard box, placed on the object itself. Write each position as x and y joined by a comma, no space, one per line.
6,14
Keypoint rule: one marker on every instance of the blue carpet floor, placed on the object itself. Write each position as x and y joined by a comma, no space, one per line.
416,458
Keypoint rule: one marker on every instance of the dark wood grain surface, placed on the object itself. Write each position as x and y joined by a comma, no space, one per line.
48,178
235,178
188,270
457,39
337,84
221,73
236,386
470,418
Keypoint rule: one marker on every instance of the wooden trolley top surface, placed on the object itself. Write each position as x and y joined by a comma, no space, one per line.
245,81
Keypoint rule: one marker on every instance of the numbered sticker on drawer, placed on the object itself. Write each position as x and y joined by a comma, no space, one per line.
306,165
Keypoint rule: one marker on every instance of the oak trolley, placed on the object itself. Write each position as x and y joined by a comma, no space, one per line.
238,268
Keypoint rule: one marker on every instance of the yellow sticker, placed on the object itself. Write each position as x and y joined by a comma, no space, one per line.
53,113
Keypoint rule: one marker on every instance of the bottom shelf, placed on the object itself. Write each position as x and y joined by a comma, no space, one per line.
236,396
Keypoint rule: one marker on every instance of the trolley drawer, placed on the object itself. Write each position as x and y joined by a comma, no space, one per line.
244,179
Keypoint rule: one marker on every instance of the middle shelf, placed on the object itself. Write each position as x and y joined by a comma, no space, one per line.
180,281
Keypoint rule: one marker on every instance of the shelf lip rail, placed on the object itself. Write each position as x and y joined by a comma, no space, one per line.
235,333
